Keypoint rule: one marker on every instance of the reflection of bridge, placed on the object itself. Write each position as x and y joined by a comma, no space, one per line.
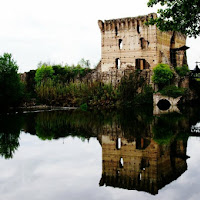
195,74
195,129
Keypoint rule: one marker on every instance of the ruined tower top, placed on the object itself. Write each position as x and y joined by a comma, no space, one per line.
124,23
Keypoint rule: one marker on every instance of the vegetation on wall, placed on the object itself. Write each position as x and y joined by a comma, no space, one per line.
53,91
182,71
162,75
172,91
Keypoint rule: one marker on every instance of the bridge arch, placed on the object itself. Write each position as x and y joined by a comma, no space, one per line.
168,101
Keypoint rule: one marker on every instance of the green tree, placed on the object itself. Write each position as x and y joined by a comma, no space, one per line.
178,15
43,73
11,89
162,74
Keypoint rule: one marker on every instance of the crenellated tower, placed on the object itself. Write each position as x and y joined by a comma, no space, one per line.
128,43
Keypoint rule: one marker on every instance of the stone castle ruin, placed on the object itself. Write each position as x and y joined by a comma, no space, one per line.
128,44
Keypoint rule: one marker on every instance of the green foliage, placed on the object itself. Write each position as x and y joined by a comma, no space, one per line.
162,74
59,73
182,71
76,94
43,73
172,91
177,16
146,97
11,89
84,107
167,127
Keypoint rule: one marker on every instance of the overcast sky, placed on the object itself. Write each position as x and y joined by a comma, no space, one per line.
61,31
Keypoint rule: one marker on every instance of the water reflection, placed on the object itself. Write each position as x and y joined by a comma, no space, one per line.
10,127
147,165
140,151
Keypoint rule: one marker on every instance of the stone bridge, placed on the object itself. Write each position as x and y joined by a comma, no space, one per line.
159,98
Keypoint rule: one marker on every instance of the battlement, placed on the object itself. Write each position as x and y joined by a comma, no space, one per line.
124,23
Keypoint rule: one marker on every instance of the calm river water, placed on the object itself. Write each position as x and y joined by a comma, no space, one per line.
129,154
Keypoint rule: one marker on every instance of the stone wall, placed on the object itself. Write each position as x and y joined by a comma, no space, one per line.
166,41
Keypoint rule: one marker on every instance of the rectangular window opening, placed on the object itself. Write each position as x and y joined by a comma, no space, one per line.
120,44
118,63
121,162
119,144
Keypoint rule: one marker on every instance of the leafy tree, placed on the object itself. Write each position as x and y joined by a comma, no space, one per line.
162,74
11,89
43,73
178,15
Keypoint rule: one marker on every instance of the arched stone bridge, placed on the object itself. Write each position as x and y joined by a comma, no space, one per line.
158,97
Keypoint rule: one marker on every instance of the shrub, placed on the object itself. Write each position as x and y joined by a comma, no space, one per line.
162,74
84,107
43,73
182,71
172,91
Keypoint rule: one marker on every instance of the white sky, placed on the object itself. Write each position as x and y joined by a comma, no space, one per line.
61,31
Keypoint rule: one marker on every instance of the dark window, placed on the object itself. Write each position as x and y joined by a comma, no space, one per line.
116,31
120,44
138,27
121,163
141,64
117,62
119,143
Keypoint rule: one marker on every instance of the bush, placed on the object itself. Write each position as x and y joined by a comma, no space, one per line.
182,71
84,107
43,73
172,91
162,75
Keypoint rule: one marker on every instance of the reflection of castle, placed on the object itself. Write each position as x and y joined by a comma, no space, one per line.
140,164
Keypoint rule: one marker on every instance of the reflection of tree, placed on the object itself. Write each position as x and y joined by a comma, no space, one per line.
169,127
53,125
9,135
